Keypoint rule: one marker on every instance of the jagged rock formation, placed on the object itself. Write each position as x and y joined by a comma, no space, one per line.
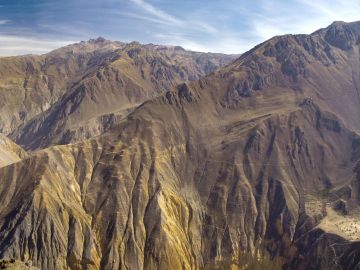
65,95
257,156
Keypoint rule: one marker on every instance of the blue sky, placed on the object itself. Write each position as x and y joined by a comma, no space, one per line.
229,26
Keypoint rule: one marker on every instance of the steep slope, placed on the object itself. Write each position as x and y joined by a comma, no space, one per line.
261,156
9,151
109,76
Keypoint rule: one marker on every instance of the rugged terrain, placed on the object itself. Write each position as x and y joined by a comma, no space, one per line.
16,265
259,157
78,91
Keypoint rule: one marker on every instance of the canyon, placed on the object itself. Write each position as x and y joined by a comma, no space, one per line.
130,156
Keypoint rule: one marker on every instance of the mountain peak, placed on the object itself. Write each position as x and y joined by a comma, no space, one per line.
98,40
339,23
341,34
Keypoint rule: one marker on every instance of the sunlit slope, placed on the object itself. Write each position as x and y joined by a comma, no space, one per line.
9,151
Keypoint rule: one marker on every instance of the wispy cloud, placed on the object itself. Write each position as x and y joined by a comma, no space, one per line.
250,23
160,14
342,10
166,18
204,26
180,40
2,22
141,17
310,16
224,44
14,45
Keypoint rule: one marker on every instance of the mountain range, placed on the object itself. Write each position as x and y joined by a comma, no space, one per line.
81,89
130,156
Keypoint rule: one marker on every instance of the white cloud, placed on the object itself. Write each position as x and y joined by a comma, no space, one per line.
268,19
308,17
204,26
333,10
160,14
14,45
165,18
141,17
224,44
179,39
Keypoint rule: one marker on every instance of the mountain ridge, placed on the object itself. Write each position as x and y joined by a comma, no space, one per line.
135,72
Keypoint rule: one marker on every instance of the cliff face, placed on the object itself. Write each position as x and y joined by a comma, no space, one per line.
77,91
261,156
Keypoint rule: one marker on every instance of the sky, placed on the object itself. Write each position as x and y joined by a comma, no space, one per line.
227,26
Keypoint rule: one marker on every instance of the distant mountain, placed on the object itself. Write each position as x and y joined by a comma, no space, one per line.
77,91
257,162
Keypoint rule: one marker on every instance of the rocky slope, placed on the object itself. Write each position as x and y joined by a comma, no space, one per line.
70,91
16,265
260,157
9,151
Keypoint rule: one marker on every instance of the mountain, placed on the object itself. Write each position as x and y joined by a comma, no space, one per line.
77,91
259,160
